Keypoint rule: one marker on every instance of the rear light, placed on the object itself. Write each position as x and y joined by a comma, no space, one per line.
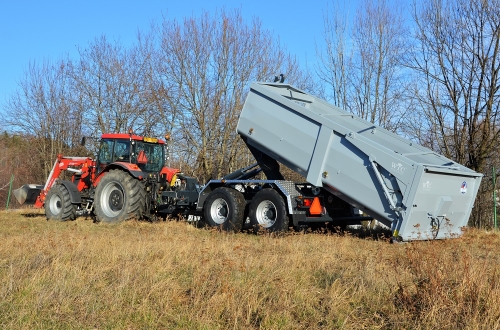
314,205
307,202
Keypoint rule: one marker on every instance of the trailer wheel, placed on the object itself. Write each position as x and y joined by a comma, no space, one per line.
225,208
119,197
58,204
268,211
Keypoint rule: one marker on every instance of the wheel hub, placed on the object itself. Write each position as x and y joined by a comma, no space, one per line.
116,200
112,199
269,214
266,214
55,205
219,211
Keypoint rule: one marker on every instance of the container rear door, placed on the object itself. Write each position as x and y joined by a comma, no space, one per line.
442,204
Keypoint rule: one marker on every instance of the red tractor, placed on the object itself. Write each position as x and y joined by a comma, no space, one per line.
125,181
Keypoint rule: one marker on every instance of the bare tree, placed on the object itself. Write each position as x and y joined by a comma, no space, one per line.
334,61
378,86
42,108
188,78
21,160
162,107
457,59
208,63
362,65
111,91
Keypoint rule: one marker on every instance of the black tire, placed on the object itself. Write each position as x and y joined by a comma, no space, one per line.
225,208
119,197
268,211
58,204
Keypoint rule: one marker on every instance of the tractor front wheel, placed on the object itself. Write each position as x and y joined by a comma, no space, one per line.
58,204
119,197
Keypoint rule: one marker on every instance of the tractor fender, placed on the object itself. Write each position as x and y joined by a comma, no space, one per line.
75,195
133,169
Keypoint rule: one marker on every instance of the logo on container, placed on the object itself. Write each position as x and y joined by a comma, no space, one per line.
463,187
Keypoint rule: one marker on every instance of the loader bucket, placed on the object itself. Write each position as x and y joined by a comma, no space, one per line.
28,193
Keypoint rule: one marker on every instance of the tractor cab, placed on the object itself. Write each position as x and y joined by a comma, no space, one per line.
147,153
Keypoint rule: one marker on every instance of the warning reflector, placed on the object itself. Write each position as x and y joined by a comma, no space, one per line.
316,208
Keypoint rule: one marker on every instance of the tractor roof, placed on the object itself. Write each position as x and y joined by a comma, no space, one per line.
126,136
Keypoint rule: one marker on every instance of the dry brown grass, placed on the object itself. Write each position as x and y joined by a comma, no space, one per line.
140,275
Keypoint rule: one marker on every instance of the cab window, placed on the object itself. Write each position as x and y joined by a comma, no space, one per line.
114,151
106,151
122,151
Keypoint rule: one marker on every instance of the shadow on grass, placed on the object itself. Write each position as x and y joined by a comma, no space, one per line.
377,234
32,215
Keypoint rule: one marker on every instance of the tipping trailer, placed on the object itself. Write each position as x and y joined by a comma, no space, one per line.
413,190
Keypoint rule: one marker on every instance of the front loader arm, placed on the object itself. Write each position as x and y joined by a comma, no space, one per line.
62,164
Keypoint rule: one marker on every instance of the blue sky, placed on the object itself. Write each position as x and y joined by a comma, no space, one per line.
36,30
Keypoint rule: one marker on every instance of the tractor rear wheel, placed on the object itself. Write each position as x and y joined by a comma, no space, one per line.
58,204
119,197
225,209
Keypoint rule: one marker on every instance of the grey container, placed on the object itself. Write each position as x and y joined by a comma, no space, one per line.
418,193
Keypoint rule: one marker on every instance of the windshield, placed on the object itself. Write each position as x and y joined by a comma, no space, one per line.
114,151
154,154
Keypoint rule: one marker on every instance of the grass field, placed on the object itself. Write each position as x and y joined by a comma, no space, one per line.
170,275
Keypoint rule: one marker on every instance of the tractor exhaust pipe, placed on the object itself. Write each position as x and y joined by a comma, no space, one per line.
28,193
